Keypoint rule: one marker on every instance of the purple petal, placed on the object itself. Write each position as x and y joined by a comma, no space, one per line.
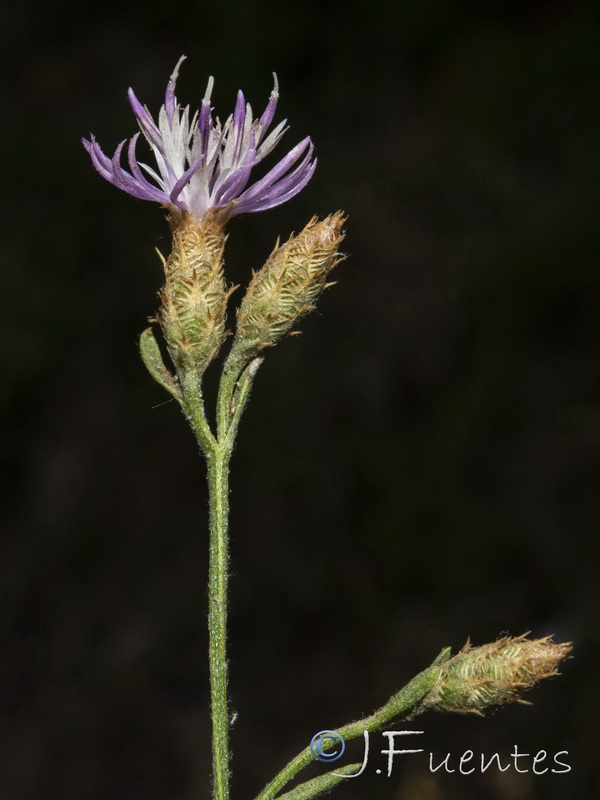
231,186
124,180
170,99
237,129
281,168
157,194
269,112
239,115
99,160
270,200
295,175
145,121
185,179
205,120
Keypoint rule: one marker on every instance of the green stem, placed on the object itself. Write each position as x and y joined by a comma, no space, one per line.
232,370
403,705
193,407
231,401
320,785
218,454
218,473
234,389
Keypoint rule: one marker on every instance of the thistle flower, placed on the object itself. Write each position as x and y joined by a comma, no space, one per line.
204,165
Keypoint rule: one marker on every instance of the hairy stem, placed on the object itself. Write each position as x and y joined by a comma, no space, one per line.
232,398
218,473
403,705
218,455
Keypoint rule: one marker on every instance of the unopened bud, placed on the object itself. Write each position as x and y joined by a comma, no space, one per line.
194,297
288,285
495,673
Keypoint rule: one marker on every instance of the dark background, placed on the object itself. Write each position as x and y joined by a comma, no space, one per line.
421,465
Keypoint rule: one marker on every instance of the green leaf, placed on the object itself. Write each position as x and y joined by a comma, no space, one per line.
152,358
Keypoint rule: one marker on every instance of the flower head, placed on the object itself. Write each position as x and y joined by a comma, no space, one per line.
288,285
202,164
495,673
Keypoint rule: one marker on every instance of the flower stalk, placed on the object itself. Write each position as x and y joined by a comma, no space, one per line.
404,705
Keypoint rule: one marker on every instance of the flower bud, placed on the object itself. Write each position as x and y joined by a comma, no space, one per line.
288,285
495,673
194,297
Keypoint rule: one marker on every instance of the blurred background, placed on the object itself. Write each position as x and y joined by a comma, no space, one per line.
419,466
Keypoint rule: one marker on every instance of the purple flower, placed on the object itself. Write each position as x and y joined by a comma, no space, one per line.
204,165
